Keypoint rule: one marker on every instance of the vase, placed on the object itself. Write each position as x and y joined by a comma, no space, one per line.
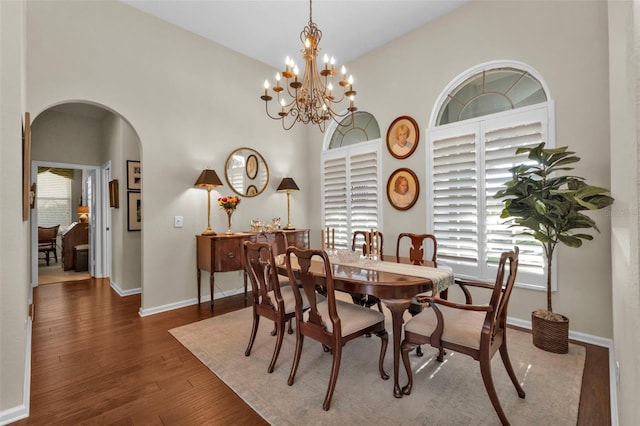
229,213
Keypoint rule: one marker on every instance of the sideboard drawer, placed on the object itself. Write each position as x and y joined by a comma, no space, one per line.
228,254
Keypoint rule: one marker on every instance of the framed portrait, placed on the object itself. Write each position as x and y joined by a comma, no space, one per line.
134,218
114,196
403,189
252,191
27,194
252,166
403,136
134,175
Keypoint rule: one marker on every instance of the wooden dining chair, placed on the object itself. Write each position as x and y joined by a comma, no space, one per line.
47,242
419,247
365,299
329,320
270,299
475,330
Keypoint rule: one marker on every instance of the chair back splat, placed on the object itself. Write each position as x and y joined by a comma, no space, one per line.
365,299
361,235
475,330
330,321
418,248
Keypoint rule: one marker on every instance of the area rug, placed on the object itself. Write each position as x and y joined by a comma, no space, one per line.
448,393
54,274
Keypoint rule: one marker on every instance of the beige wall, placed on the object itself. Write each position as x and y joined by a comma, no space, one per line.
15,328
174,89
190,112
416,68
66,138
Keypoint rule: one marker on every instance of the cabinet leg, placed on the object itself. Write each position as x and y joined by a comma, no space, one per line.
198,284
211,289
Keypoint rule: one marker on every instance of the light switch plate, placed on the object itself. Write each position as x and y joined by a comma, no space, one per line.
178,222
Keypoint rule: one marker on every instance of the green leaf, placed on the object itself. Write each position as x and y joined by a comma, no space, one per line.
570,240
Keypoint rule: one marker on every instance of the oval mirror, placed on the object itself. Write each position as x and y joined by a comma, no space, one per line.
247,173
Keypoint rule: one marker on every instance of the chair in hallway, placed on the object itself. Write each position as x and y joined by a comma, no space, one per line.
47,237
475,330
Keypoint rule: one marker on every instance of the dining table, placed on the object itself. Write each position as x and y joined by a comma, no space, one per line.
395,284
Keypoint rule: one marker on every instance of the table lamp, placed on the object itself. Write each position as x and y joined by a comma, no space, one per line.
287,185
82,214
208,180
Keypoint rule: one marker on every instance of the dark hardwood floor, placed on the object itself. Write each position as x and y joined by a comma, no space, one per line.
95,361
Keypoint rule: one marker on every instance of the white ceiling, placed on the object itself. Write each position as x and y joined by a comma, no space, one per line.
269,31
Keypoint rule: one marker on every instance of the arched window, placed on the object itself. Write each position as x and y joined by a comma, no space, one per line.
479,121
491,91
363,128
351,176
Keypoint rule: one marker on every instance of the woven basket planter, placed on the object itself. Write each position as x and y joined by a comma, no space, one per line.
550,335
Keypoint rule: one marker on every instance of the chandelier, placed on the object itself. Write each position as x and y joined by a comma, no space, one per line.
310,100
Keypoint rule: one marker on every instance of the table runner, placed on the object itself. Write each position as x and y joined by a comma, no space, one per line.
441,278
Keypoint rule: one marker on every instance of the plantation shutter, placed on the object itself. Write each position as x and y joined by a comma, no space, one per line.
455,194
351,187
470,161
335,197
502,137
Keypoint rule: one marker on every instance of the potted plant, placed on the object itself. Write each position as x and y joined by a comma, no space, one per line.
550,207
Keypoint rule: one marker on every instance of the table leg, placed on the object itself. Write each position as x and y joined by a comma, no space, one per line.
397,308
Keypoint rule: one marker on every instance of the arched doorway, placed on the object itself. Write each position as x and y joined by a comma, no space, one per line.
95,142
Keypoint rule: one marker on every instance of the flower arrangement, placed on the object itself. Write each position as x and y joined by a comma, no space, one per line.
228,203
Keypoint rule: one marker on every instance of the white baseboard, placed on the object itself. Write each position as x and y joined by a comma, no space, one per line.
21,411
123,293
188,302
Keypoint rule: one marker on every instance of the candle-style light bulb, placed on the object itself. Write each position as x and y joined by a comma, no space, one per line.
266,87
333,63
344,72
282,103
295,71
278,79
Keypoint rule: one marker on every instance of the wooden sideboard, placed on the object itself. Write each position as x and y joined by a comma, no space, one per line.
224,253
77,234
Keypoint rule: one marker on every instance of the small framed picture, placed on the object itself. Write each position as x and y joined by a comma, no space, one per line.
403,136
26,167
134,175
114,196
252,166
134,218
403,189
